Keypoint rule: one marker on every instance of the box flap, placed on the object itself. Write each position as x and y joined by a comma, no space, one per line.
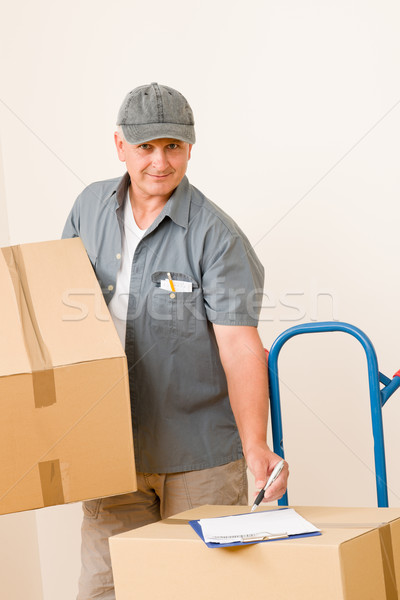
53,308
320,516
334,516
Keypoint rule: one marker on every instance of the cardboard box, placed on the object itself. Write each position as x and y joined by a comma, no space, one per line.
355,558
65,428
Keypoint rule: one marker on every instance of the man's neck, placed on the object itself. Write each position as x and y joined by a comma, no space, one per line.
146,208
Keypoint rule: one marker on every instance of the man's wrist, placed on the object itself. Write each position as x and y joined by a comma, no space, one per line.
255,447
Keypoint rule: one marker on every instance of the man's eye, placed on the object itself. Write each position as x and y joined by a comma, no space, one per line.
173,146
144,146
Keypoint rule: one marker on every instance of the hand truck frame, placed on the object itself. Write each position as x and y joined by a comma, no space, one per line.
378,397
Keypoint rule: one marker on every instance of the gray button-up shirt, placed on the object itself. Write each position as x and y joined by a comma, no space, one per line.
181,413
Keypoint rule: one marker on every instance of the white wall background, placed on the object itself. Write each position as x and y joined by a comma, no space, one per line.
297,107
4,231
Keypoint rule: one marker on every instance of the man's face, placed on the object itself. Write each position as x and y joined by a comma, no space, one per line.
156,167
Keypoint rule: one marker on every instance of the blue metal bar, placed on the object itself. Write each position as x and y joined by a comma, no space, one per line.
390,388
375,395
383,379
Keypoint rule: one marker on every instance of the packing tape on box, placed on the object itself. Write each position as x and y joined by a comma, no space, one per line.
389,573
51,482
44,388
39,356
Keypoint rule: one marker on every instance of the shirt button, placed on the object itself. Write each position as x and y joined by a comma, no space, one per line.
118,256
172,295
111,287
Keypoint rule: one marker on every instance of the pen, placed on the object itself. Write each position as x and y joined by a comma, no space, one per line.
171,283
274,475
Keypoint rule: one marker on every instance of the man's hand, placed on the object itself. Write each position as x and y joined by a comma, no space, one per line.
261,462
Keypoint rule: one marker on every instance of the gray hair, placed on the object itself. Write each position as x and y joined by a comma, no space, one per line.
118,129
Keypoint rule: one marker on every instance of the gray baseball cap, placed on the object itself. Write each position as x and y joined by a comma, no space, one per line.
154,111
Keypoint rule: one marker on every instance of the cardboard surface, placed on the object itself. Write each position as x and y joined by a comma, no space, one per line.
65,432
349,561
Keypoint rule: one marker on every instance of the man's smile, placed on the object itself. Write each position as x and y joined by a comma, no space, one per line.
159,176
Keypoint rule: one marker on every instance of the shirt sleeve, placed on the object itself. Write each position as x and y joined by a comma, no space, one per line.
72,225
233,281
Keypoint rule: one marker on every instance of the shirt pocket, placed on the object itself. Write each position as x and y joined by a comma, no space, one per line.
175,313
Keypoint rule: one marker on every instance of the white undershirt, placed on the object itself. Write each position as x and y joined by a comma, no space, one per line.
132,235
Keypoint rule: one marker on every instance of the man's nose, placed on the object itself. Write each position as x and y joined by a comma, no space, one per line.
160,161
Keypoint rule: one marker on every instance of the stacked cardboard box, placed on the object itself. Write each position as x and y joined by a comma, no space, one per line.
65,427
357,557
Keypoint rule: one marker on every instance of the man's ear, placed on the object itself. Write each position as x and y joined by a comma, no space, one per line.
190,151
119,144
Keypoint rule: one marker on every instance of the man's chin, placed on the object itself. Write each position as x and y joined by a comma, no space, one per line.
160,189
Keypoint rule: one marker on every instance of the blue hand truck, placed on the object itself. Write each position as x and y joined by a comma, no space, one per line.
378,397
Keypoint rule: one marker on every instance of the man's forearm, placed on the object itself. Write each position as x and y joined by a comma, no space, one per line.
243,358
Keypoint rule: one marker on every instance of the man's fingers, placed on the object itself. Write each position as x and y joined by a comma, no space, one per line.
278,488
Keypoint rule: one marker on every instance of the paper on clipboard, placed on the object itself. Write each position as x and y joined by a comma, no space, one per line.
256,526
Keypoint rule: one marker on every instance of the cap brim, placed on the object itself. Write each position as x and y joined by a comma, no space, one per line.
138,134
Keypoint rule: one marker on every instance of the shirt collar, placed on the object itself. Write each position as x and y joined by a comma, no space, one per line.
177,207
122,189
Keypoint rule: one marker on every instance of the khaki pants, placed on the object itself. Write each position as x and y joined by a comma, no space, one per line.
158,497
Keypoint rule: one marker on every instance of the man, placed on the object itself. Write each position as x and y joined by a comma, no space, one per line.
184,289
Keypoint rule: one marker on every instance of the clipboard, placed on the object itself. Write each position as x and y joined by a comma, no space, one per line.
249,539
